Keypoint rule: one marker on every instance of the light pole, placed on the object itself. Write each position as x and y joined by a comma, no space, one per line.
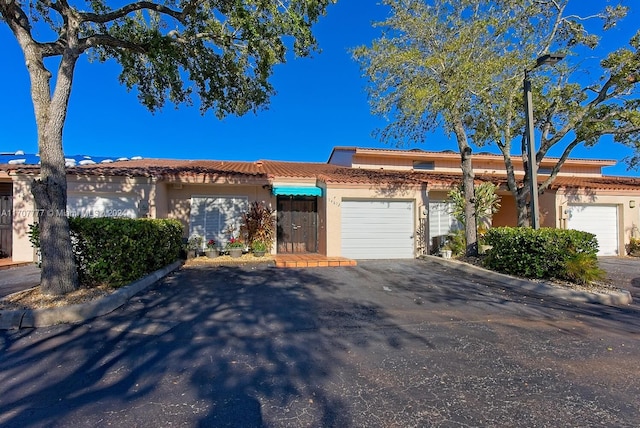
549,59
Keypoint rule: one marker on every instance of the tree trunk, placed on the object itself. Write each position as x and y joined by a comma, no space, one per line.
59,274
470,229
522,207
519,193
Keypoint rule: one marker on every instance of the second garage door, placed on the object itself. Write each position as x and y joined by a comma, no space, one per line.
601,220
377,229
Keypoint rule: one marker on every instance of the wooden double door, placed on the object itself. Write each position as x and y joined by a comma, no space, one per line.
297,224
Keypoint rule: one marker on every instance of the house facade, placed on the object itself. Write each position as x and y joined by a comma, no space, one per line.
361,204
581,197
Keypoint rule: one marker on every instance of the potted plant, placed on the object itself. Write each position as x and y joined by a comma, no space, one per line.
211,250
445,251
194,246
235,247
259,248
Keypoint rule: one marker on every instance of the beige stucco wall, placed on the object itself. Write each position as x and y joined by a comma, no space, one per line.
136,188
24,214
177,198
628,216
141,190
548,211
322,220
450,163
337,193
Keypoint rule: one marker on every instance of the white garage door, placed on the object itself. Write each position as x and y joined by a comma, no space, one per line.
377,229
101,206
601,220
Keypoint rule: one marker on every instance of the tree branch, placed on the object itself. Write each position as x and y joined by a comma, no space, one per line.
558,165
133,7
15,17
107,40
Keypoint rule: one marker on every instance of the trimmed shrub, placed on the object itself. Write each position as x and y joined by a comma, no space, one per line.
544,253
117,251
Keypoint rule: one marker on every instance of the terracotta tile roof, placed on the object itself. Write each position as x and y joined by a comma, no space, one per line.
167,168
600,183
172,169
453,153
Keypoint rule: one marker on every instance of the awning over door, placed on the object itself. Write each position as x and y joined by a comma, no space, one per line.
297,191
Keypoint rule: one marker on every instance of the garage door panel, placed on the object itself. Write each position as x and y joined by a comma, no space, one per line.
601,220
377,229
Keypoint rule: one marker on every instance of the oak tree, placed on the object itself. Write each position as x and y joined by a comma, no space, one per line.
574,103
429,68
460,64
220,51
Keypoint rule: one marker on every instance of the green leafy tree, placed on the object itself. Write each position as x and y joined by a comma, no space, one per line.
572,106
460,64
430,67
487,202
221,51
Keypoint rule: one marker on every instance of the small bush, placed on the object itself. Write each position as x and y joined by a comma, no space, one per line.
544,253
634,247
582,268
457,243
117,251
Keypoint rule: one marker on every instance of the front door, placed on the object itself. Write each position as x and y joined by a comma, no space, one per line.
297,224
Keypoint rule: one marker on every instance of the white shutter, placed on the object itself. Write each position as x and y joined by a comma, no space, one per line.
197,218
441,221
211,217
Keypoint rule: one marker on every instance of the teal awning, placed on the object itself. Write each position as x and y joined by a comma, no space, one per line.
297,190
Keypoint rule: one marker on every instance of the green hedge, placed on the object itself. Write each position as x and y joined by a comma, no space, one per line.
544,253
117,251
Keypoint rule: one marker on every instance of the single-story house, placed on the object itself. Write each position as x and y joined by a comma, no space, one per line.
362,203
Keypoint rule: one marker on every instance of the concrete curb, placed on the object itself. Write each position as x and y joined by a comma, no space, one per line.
617,298
28,318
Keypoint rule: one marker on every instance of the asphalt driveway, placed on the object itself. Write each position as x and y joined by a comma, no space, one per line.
18,279
624,272
404,344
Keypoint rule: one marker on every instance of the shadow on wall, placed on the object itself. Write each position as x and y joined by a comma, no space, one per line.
575,195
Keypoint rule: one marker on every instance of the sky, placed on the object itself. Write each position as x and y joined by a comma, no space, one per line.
321,103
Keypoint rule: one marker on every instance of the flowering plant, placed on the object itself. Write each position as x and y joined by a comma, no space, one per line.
235,243
194,242
211,243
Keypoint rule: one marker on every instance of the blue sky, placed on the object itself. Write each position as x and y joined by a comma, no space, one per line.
321,103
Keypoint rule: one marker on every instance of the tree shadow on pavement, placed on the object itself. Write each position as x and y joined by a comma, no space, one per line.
207,346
